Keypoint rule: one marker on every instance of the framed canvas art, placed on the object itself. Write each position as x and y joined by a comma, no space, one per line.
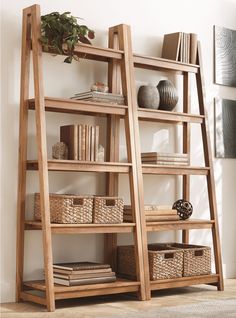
225,56
225,128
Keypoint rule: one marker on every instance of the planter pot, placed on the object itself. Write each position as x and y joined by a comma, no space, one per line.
148,97
168,95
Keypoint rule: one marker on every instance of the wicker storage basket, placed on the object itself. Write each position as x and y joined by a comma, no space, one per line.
164,262
66,208
108,210
197,259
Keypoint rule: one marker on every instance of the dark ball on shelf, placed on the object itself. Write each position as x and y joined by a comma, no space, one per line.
184,209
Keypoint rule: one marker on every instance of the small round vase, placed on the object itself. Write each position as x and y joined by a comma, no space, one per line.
148,97
168,95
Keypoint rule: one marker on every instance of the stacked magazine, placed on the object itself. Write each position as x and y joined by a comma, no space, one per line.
160,158
82,273
153,213
95,96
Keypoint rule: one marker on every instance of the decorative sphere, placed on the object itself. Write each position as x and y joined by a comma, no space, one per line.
184,209
148,97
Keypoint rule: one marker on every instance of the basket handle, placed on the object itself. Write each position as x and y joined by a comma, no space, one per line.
110,202
78,201
168,255
198,253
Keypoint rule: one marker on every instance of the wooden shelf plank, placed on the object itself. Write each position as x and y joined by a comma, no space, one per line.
63,292
27,296
179,225
184,281
67,105
159,64
174,170
167,116
83,228
95,53
82,166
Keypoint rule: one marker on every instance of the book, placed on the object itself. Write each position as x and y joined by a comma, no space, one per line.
96,143
153,218
80,142
149,207
92,143
85,281
166,163
81,272
96,96
193,48
162,218
164,154
79,276
69,135
81,266
83,146
180,46
87,142
171,46
155,212
146,159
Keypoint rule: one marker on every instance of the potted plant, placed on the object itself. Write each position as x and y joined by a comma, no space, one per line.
61,32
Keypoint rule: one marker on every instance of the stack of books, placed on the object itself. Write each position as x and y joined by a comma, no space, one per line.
82,273
82,141
160,158
153,213
180,47
101,97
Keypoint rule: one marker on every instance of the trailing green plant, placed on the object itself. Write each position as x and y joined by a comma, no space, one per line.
60,29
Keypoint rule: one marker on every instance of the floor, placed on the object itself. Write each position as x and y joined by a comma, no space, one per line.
110,306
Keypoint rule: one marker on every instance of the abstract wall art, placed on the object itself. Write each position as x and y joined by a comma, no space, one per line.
225,56
225,128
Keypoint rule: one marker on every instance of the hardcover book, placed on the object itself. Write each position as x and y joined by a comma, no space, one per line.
79,276
81,266
69,135
85,281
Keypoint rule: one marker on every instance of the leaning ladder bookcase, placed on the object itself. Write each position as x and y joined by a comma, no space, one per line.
121,63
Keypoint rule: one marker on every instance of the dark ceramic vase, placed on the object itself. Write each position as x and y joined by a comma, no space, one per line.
148,97
168,95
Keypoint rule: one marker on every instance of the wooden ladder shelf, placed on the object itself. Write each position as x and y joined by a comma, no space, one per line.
121,64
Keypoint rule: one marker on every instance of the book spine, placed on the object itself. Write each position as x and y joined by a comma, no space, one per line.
79,142
82,276
69,135
85,281
83,143
96,143
167,163
92,143
163,154
193,48
165,159
88,141
151,207
155,212
162,218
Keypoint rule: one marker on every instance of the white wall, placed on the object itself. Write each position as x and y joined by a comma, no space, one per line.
149,20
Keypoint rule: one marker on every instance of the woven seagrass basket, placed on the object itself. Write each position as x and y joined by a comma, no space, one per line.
164,262
197,259
108,210
66,208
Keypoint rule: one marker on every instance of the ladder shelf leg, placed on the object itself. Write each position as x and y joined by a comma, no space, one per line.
186,145
210,176
42,156
23,128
